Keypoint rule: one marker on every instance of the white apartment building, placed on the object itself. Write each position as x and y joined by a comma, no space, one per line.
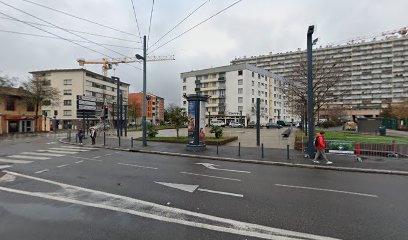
80,83
233,91
375,72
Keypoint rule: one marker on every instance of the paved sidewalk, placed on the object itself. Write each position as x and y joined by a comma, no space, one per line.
271,156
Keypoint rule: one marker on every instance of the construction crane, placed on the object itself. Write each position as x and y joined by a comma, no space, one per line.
107,63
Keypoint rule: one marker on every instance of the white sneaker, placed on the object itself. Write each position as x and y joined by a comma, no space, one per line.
315,161
329,163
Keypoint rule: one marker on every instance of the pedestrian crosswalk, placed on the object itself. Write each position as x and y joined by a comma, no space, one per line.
42,154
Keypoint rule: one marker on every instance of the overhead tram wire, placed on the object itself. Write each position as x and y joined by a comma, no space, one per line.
72,30
80,41
150,23
90,49
137,22
188,30
178,24
80,18
29,14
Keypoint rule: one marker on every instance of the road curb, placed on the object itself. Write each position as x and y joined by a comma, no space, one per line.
299,165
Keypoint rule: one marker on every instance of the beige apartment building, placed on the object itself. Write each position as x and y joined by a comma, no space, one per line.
374,72
82,95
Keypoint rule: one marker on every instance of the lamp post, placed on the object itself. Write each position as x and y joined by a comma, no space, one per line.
310,97
144,90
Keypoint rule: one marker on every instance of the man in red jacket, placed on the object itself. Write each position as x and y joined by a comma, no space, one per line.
320,146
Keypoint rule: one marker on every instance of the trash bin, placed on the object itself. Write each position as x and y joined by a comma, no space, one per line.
382,130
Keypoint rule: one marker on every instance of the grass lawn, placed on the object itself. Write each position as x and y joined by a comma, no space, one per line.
357,137
184,139
161,127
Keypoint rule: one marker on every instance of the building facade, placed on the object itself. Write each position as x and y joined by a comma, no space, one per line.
17,114
82,96
234,90
154,108
375,73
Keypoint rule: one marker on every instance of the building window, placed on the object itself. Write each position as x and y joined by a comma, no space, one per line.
67,102
184,88
184,102
87,83
240,100
68,92
253,91
253,74
266,94
253,83
259,93
10,104
184,80
240,82
259,76
240,90
30,107
240,108
67,113
214,109
240,73
214,84
259,84
67,81
253,100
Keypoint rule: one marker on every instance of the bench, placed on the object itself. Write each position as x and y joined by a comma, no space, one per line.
286,133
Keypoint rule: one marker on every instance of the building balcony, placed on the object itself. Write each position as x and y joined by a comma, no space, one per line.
221,79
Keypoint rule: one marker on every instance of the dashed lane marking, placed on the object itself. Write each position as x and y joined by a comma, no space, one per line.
54,151
68,149
29,157
79,161
138,166
14,161
327,190
203,175
73,147
41,171
63,165
90,159
43,154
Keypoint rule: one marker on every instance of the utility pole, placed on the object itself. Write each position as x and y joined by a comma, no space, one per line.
145,59
310,103
118,105
258,123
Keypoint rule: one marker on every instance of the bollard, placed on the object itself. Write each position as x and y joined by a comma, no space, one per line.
104,138
262,150
217,147
76,138
131,142
357,148
239,148
119,141
287,152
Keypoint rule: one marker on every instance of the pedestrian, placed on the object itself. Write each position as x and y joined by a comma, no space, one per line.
320,146
202,136
80,136
93,135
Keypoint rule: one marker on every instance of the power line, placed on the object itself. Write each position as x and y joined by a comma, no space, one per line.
178,24
150,24
90,49
80,18
137,23
45,36
207,19
29,14
72,30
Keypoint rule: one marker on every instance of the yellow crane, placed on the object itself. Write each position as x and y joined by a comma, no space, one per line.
107,63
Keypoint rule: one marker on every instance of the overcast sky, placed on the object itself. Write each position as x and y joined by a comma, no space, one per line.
251,27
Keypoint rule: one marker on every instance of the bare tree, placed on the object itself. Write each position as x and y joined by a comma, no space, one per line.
134,111
40,93
6,81
327,74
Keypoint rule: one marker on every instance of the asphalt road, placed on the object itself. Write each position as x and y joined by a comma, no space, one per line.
102,194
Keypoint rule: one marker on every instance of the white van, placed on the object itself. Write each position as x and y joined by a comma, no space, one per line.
217,123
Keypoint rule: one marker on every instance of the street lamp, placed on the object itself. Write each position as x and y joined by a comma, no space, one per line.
310,97
139,57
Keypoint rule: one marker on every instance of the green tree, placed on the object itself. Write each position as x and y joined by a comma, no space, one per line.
177,117
40,93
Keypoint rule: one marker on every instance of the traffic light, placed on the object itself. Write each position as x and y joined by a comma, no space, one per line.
105,111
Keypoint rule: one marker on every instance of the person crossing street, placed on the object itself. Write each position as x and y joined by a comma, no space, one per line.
320,145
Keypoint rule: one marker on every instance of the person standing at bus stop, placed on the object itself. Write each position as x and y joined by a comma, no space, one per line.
320,145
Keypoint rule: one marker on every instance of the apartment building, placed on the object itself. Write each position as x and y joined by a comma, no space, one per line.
17,114
233,91
154,107
82,95
375,72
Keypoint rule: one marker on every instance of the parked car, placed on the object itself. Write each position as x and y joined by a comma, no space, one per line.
217,123
273,125
283,123
235,125
100,126
251,124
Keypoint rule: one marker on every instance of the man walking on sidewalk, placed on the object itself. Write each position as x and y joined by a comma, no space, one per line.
320,145
93,135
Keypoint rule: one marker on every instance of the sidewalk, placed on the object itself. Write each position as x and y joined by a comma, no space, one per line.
254,155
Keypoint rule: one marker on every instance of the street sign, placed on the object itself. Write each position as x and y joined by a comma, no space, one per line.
87,98
82,102
85,107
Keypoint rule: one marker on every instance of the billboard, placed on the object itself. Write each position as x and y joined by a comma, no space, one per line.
191,121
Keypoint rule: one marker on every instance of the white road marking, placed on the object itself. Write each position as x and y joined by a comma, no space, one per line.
4,160
90,159
212,166
109,154
103,200
43,154
218,192
328,190
73,147
97,157
45,170
79,161
195,174
63,165
29,157
51,143
54,151
133,165
4,166
69,149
